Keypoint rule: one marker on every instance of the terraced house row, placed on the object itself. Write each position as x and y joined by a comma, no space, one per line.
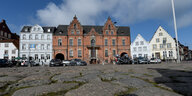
94,44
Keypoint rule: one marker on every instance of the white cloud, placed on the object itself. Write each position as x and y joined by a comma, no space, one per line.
125,11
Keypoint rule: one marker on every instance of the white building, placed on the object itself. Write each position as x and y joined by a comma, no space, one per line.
140,47
162,45
36,43
9,49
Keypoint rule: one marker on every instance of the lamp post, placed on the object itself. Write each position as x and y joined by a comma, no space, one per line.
175,26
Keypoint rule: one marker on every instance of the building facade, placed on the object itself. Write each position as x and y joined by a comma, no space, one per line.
140,48
162,45
5,33
36,43
9,49
94,44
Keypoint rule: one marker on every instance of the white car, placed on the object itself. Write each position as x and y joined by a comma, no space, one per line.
155,60
66,62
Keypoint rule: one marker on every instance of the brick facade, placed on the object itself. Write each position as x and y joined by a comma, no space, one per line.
91,42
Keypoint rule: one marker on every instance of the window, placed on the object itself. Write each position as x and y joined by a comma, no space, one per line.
23,46
6,52
30,37
107,32
136,43
6,44
42,37
109,27
42,47
134,48
164,54
72,32
114,52
36,37
78,32
13,51
71,42
71,53
106,42
48,56
141,43
140,49
145,48
5,34
24,36
170,53
134,56
75,26
26,29
123,42
164,40
169,45
161,46
49,30
79,42
79,53
59,42
160,34
113,42
36,56
36,46
145,55
140,55
157,40
112,32
48,46
154,46
1,33
92,42
42,56
48,37
106,53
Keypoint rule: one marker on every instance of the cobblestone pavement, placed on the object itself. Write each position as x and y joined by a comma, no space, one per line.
165,79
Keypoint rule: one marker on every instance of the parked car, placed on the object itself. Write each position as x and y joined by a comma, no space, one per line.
33,63
5,63
77,62
155,60
55,62
66,62
123,60
141,60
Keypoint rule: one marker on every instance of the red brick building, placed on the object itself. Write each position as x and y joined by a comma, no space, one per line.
94,44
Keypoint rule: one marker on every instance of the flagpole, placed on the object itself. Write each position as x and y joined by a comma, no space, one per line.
175,26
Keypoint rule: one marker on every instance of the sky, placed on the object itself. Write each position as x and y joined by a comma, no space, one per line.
142,16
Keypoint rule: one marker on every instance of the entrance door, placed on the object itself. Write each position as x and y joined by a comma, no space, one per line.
60,56
157,55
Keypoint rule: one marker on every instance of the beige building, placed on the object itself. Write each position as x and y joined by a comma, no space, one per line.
162,45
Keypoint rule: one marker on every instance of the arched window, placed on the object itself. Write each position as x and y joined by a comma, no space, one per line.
93,42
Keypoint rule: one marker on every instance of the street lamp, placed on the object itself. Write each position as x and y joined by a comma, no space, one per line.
175,26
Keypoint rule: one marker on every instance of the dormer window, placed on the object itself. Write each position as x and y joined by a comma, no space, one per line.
75,26
48,30
34,29
26,29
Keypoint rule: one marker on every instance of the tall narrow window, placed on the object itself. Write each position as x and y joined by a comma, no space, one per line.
114,52
42,47
109,27
36,56
78,32
42,56
71,42
72,31
59,42
113,42
79,42
112,32
106,42
48,37
106,53
48,56
75,26
30,36
42,37
36,37
24,36
71,53
92,42
123,42
79,53
48,46
107,32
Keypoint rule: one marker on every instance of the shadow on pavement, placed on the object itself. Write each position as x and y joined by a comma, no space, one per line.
180,81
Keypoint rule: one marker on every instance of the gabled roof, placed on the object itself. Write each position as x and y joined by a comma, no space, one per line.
157,31
121,31
139,37
15,42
